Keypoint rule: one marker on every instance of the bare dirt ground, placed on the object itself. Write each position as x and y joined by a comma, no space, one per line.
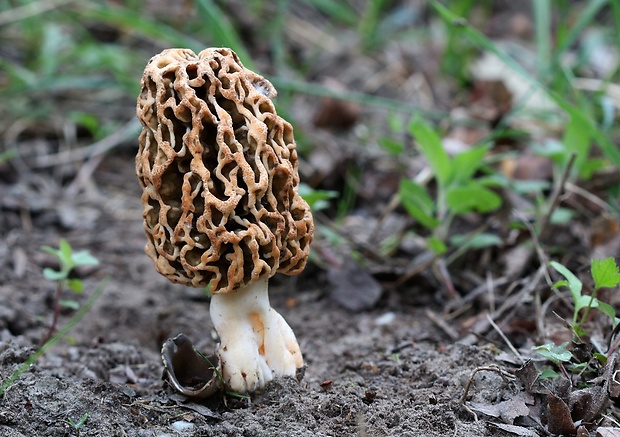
387,371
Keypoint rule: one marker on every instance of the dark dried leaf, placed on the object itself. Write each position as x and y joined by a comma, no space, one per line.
353,287
588,403
558,414
528,375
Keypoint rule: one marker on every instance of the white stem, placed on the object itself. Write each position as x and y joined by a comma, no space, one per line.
256,342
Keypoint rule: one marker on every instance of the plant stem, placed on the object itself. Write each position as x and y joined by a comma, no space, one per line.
52,341
60,286
587,309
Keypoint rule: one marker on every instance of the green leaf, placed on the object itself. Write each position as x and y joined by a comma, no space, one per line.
574,284
71,304
392,146
465,164
75,285
432,149
51,251
561,216
418,203
65,251
53,275
316,199
84,258
585,302
600,357
437,246
607,309
474,197
557,354
605,273
478,241
576,140
549,374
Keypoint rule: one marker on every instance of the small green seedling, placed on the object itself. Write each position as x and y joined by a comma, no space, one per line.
459,190
557,354
605,274
68,260
78,424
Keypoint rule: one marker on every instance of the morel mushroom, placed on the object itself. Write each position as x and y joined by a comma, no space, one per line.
218,168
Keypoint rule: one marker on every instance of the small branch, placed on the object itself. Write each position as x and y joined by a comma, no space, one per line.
555,196
508,343
52,329
492,368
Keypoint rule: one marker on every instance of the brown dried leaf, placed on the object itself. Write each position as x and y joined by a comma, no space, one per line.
588,403
528,375
558,414
353,287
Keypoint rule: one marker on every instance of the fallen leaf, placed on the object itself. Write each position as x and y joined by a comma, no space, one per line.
516,430
353,287
508,410
528,375
588,403
559,418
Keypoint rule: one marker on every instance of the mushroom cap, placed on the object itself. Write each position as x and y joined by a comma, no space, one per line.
218,169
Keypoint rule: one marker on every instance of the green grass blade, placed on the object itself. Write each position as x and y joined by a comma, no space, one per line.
542,20
352,96
336,10
132,22
610,150
222,31
430,143
585,17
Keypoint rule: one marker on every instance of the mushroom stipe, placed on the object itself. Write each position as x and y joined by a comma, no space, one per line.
219,173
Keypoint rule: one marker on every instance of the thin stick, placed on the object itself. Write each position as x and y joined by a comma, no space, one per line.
508,343
510,303
441,324
555,196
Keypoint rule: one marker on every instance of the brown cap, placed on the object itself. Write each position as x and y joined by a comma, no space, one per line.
218,168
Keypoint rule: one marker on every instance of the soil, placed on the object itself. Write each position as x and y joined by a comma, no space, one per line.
388,371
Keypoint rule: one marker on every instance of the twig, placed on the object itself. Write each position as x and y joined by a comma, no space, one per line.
129,129
470,380
555,196
542,258
510,303
587,195
508,343
441,324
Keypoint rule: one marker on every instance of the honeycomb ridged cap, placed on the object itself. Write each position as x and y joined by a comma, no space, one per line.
218,169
